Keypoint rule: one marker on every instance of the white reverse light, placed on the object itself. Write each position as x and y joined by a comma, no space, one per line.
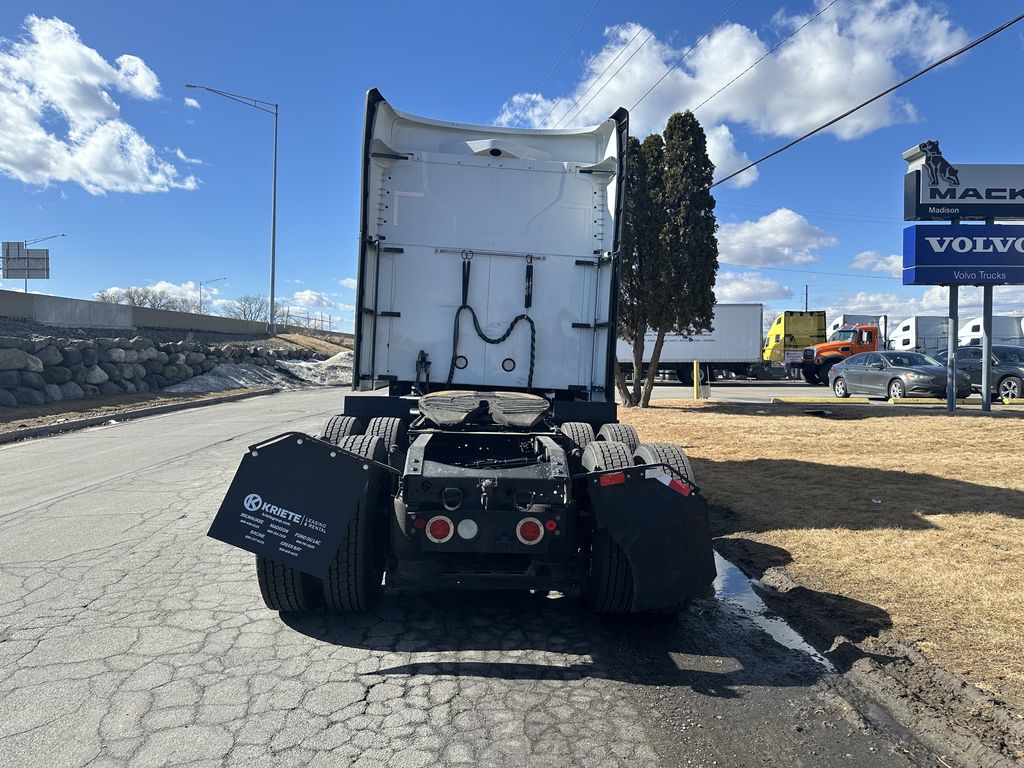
468,529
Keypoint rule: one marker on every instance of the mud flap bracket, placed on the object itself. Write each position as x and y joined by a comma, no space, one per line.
661,524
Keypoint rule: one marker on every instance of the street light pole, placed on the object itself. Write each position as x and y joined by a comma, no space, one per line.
201,284
272,108
33,242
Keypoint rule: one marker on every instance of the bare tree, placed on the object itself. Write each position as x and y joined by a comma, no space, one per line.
248,308
110,296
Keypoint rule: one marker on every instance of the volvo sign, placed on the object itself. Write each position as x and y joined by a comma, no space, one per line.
936,189
963,254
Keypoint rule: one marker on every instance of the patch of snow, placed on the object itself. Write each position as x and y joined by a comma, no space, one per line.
287,374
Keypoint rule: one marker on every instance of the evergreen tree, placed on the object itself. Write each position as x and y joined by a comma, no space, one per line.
669,250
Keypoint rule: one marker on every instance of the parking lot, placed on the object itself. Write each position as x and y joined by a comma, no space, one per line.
130,638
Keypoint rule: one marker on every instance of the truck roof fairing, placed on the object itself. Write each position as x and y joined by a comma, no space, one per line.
491,250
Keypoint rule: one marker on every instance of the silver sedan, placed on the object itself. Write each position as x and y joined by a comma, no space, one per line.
894,375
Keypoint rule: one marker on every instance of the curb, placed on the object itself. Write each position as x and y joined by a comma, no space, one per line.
154,410
820,401
929,401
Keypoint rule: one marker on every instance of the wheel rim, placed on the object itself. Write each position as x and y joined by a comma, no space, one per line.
895,390
1009,389
840,387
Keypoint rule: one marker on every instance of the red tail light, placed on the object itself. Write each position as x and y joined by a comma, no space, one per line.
530,530
615,478
440,529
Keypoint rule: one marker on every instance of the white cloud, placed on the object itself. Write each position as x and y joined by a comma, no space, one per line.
186,159
192,103
872,260
934,300
723,153
52,73
780,237
311,299
349,282
850,53
739,287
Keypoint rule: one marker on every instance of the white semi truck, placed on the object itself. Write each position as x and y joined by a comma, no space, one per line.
733,345
486,307
920,333
1006,329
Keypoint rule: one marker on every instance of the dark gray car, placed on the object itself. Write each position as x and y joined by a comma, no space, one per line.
894,375
1007,368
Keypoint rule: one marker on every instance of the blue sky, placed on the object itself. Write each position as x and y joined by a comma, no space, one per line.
832,204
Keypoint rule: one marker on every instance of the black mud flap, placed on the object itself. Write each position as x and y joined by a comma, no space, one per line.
291,501
661,524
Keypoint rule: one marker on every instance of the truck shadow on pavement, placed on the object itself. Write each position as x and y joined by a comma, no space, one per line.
714,648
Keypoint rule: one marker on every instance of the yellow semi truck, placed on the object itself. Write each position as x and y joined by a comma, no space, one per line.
788,336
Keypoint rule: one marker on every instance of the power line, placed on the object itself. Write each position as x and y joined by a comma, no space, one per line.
679,61
596,79
551,70
886,92
807,271
773,50
629,58
543,42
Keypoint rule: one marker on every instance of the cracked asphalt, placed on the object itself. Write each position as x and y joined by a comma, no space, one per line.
129,638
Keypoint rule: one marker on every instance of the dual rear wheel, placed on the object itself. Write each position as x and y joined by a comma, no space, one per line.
609,584
353,581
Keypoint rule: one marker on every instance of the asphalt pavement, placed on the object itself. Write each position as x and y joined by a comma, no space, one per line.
129,638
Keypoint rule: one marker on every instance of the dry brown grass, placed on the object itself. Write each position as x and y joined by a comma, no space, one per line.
917,513
318,345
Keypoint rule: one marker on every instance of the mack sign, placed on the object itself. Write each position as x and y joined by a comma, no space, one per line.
963,254
936,190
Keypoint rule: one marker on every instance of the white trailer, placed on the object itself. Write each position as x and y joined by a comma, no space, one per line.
1006,329
920,333
733,344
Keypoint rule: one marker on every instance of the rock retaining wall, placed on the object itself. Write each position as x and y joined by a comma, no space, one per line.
50,369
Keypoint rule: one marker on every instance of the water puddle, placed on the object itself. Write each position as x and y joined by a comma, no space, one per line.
733,587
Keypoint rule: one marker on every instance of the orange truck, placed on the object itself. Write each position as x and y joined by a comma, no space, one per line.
849,340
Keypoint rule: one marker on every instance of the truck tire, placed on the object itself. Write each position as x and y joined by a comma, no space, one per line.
810,375
353,581
823,373
389,429
606,454
285,589
580,433
620,433
609,585
340,426
665,453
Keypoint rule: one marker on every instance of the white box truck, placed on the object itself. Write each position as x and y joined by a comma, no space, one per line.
920,333
486,306
733,345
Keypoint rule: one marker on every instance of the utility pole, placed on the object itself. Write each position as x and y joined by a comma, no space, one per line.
806,303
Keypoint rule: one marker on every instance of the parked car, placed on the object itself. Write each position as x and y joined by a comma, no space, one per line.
893,375
1007,368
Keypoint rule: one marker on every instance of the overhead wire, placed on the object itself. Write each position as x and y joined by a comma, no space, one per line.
647,39
688,51
769,53
607,67
543,42
532,99
807,271
948,57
